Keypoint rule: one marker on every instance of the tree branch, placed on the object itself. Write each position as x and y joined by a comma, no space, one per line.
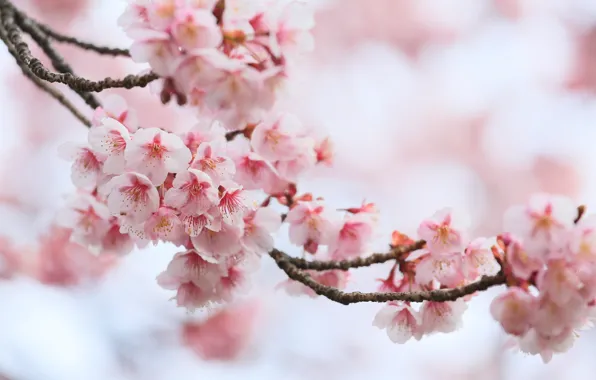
284,262
41,84
77,83
376,258
57,60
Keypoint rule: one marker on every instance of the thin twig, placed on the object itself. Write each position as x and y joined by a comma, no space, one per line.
41,84
103,50
57,60
443,295
73,81
376,258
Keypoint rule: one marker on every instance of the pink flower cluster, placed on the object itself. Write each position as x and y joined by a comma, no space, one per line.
449,260
193,189
550,261
229,57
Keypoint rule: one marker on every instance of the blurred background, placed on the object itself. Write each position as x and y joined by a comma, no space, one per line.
472,104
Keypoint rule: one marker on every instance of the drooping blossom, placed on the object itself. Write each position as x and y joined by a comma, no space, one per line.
400,320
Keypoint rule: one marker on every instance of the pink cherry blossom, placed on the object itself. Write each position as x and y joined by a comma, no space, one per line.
86,168
253,171
194,224
514,310
155,153
133,197
216,245
192,193
89,219
353,238
115,107
196,29
521,263
442,317
291,23
190,296
204,132
542,223
189,266
258,226
110,138
582,241
154,47
444,232
545,346
401,322
164,224
447,270
559,281
223,335
292,170
199,69
310,225
479,260
237,88
551,319
211,159
115,242
161,13
232,203
277,138
236,281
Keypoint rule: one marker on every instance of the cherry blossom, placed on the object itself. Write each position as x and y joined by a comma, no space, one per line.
212,159
192,193
196,29
401,322
442,317
514,310
115,107
277,138
354,236
110,139
310,225
87,166
155,153
258,226
132,197
542,223
444,232
89,219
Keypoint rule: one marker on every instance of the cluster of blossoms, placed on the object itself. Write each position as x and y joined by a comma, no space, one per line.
228,58
197,189
550,263
448,260
194,189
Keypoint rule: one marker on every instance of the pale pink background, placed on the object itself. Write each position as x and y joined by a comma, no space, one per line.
466,103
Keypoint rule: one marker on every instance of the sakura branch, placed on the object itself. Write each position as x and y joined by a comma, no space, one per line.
209,189
346,298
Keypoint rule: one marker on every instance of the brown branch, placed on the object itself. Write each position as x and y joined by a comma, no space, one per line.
376,258
345,298
58,62
77,83
41,84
